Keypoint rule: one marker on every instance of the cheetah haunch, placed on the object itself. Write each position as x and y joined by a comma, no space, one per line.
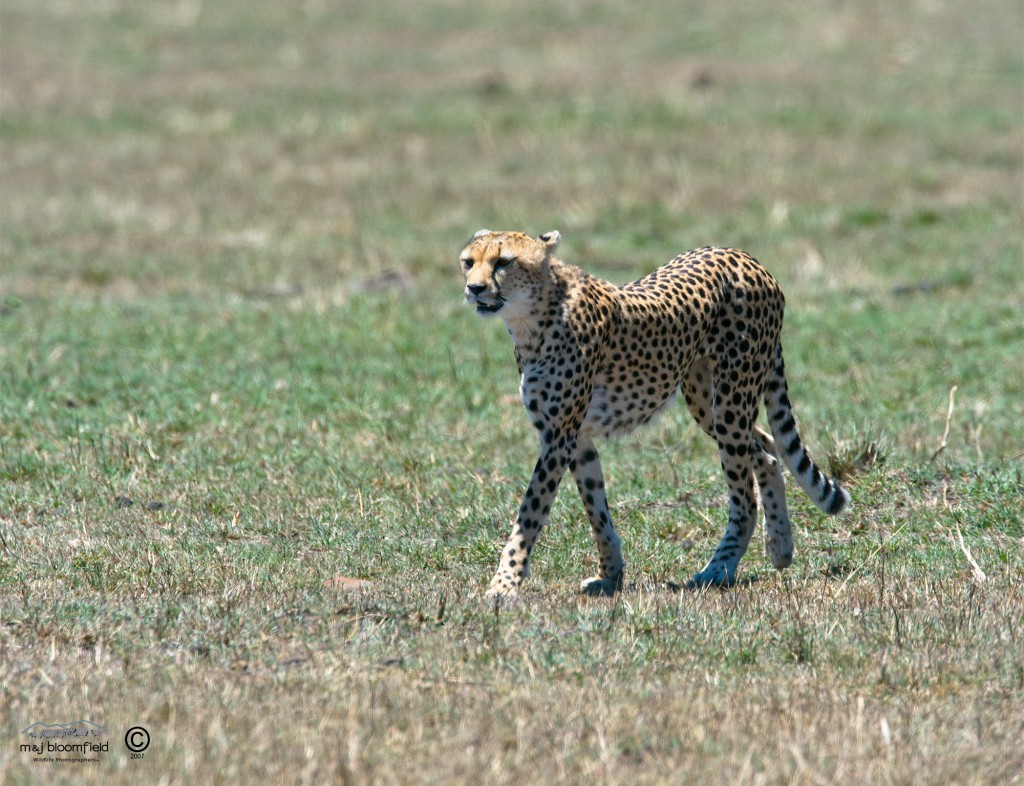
596,360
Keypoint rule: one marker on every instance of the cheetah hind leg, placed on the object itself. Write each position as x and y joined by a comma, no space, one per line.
778,534
778,539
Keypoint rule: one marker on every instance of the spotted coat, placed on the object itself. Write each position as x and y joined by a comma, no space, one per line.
596,360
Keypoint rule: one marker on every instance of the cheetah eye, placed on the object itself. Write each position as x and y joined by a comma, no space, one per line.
467,264
501,263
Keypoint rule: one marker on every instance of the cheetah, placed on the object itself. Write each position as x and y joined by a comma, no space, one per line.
597,360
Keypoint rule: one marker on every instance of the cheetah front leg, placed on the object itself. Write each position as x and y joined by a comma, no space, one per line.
514,565
586,470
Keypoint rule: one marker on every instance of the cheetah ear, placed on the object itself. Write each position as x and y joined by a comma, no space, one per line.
550,239
480,233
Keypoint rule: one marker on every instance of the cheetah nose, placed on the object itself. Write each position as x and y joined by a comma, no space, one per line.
476,289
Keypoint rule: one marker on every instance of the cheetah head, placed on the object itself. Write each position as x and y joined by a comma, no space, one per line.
505,271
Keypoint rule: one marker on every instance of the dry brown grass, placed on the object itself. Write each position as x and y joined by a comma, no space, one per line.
808,681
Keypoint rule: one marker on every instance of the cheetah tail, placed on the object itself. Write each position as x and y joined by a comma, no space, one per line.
824,492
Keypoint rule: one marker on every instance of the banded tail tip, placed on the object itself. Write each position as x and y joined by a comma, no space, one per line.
837,501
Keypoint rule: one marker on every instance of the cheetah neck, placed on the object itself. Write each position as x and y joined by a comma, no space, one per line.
527,336
529,326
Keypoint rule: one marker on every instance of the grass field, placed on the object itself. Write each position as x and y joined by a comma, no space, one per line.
235,364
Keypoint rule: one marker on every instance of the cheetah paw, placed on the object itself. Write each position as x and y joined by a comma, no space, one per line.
500,592
597,586
710,578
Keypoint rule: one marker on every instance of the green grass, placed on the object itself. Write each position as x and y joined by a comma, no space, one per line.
234,364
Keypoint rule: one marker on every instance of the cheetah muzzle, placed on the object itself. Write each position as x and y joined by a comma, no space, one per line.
597,360
492,308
